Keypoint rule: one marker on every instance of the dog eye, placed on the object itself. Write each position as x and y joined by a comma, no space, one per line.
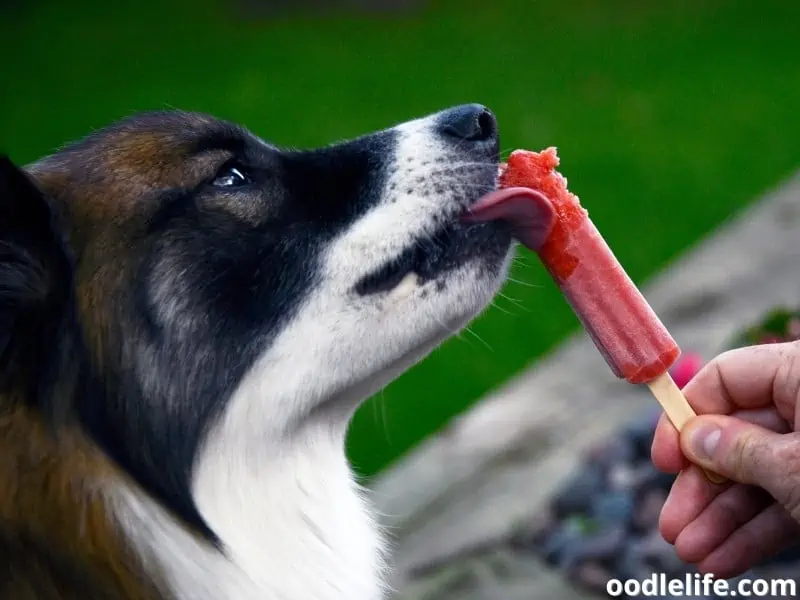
231,176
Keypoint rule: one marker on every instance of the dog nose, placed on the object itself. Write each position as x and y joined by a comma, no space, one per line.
471,123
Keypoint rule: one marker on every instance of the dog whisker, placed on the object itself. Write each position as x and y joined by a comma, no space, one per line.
501,309
515,302
479,338
380,414
519,261
522,282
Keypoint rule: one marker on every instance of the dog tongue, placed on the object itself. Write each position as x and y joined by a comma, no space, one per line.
529,212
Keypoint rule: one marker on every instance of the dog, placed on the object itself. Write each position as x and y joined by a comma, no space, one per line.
190,316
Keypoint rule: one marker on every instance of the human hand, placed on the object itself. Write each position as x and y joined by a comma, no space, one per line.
746,430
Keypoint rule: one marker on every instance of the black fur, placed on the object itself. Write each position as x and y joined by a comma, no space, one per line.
205,290
238,286
39,350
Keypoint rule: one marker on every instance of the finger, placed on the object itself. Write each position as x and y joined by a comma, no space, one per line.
725,514
690,495
768,418
665,450
745,453
668,456
764,536
742,378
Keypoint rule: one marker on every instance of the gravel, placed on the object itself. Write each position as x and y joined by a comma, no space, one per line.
603,523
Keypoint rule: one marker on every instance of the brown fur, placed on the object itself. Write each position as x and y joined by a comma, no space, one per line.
58,540
58,535
101,191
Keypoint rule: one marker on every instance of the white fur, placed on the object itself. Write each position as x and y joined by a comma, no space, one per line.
272,480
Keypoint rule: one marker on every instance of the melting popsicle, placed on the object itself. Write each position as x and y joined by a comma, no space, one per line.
617,317
629,335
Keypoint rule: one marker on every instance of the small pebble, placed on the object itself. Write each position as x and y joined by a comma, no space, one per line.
613,508
643,424
614,451
562,541
576,496
630,563
640,434
604,521
600,546
603,544
621,477
646,476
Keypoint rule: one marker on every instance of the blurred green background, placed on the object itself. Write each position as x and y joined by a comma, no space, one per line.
669,118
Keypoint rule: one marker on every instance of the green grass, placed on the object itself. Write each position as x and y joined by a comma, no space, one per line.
669,118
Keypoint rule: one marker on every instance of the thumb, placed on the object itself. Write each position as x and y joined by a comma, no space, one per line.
746,453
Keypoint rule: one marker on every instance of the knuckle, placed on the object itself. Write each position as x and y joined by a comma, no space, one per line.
786,385
718,370
748,456
792,500
730,510
789,452
785,472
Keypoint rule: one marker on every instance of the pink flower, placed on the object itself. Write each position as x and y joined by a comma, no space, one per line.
688,365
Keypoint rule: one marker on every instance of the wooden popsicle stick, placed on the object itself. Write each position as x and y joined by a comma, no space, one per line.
677,408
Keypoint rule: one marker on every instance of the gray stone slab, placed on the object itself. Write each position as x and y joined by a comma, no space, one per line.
497,464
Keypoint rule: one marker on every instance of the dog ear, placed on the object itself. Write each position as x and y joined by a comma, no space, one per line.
35,278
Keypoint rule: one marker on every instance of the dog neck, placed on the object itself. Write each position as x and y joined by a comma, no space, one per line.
273,483
291,520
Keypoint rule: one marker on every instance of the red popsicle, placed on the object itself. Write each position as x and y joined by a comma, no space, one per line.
617,317
613,311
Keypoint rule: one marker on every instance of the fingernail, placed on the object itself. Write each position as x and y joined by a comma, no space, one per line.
704,441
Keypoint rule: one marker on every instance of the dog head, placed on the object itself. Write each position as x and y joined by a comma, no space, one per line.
231,292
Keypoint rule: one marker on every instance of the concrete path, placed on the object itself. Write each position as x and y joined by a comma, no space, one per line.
497,465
